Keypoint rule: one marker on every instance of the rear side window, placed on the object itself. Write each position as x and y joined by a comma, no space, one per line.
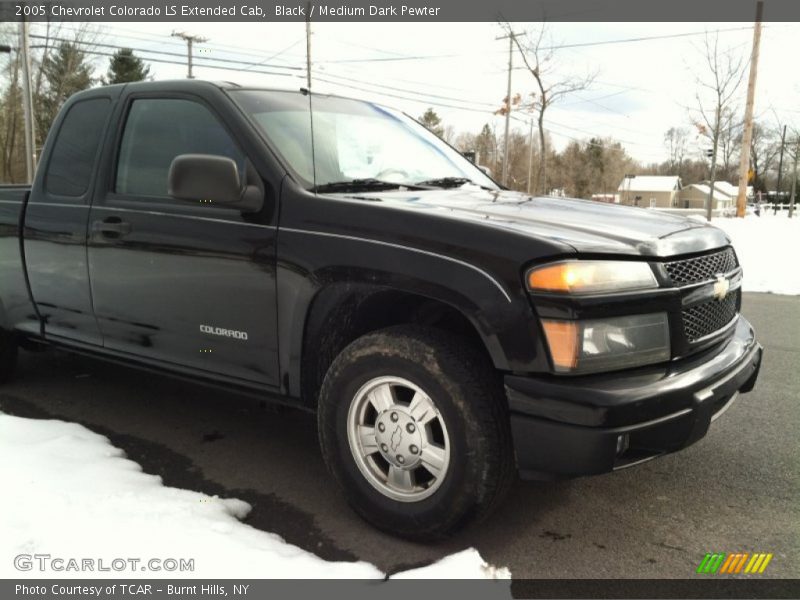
158,130
75,149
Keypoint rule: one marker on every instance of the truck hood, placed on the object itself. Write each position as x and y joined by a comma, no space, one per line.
586,226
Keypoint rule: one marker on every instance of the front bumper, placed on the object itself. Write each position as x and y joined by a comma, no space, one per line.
571,426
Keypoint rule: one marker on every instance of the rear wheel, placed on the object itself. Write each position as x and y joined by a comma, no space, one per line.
8,356
414,428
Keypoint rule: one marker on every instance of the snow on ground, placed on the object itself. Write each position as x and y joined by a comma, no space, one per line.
768,248
69,493
455,566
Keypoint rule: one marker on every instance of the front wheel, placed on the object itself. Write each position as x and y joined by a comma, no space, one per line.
414,428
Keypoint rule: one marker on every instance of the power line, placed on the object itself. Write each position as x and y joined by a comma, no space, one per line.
589,133
117,34
348,83
595,144
165,53
488,105
159,39
363,47
476,109
278,53
264,62
403,80
643,38
250,66
183,63
558,47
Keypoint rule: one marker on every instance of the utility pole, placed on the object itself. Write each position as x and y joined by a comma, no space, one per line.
27,102
713,173
747,136
794,177
308,47
510,37
530,156
780,165
190,40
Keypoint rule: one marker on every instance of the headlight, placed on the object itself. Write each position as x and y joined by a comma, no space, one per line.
583,277
605,344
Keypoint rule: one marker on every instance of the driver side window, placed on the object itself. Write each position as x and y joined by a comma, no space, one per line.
159,129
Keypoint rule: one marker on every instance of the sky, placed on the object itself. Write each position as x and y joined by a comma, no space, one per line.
640,89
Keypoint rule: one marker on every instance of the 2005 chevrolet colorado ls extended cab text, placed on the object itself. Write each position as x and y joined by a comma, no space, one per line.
335,255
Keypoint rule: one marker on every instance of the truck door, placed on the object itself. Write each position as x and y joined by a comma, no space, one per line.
55,223
183,285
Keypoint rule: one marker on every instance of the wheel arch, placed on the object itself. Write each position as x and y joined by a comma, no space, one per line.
343,311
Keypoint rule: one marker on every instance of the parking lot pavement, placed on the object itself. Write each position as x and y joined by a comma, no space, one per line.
735,490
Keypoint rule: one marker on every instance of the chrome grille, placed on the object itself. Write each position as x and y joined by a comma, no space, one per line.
701,268
704,319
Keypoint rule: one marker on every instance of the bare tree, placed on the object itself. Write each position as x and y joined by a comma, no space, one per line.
764,149
539,55
794,153
11,131
717,88
49,76
676,140
730,142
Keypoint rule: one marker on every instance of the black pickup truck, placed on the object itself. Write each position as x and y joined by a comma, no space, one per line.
334,255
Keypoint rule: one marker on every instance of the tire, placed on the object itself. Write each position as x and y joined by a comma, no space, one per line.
8,356
464,461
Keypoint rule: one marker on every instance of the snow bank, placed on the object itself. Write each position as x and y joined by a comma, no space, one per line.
767,247
467,564
69,493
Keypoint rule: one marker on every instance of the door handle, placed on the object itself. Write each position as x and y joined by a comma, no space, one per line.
111,227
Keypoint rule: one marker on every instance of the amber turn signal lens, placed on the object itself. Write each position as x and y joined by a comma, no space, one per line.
562,338
558,278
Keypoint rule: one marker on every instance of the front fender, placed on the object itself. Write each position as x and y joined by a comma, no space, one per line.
312,261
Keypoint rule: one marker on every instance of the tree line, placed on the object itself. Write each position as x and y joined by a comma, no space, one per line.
706,148
597,165
58,69
62,64
583,168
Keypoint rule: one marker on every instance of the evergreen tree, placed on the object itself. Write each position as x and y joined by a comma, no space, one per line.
432,122
485,147
66,71
125,67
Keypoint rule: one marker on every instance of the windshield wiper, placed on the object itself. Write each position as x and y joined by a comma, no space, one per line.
449,182
352,185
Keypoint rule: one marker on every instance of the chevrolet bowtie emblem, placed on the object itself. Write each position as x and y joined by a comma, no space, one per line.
721,287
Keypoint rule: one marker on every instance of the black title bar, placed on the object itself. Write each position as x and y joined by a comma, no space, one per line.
414,11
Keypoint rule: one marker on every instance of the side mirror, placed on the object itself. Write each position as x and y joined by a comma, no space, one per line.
212,180
486,170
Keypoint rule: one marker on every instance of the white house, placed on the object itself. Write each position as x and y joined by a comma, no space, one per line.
650,191
696,194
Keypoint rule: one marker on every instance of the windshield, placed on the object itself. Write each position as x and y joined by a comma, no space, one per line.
355,142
